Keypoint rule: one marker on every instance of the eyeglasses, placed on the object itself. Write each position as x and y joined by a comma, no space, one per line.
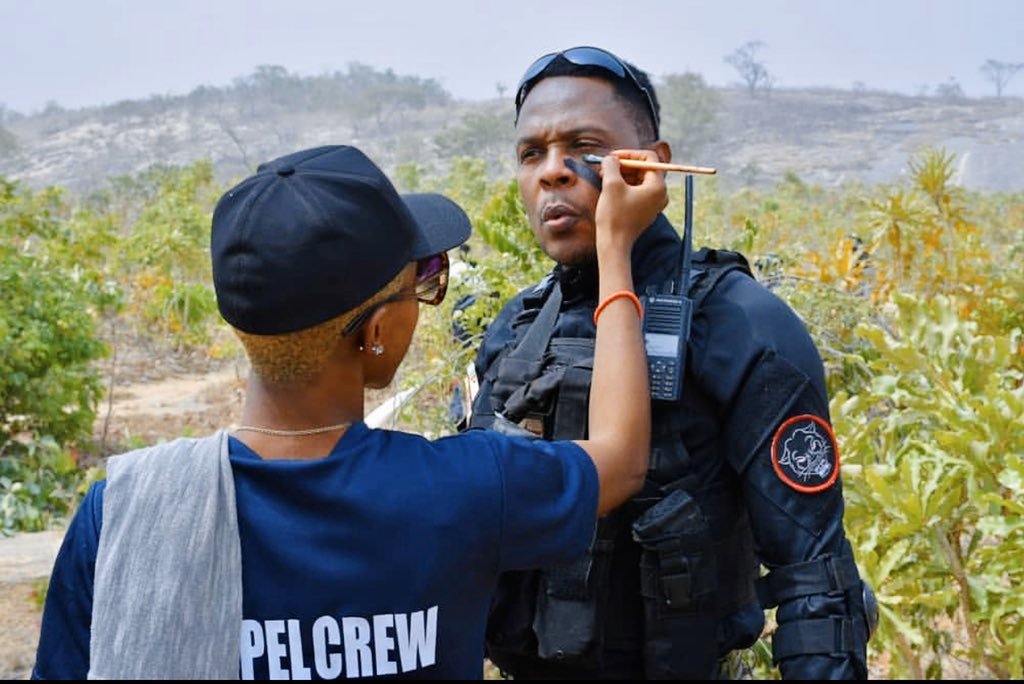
430,288
586,56
432,278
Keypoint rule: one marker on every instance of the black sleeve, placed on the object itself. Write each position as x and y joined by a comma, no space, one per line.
780,441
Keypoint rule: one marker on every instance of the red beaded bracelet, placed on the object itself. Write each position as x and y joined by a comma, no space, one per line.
616,295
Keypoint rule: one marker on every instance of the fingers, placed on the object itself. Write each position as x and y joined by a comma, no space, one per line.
611,170
630,198
651,181
634,176
640,154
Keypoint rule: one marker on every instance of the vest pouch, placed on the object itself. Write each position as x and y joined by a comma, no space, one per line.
510,625
571,609
514,379
678,583
574,357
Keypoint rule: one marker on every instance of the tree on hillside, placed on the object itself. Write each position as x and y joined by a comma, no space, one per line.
53,108
751,70
8,143
380,96
950,90
690,110
483,135
1000,73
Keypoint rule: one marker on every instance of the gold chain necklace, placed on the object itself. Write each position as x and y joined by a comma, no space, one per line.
293,433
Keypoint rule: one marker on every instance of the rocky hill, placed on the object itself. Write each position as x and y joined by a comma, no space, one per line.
832,136
825,137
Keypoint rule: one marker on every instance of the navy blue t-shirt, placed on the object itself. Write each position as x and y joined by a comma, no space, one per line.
379,559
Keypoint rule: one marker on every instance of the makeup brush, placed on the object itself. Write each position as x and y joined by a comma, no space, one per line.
654,166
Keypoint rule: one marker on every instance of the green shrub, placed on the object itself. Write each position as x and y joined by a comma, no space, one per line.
48,385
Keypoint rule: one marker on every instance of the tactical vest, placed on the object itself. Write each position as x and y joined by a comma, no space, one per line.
542,620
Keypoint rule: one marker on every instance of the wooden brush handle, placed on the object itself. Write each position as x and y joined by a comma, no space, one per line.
654,166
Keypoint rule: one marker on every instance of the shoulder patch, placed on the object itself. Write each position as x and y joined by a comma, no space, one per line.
805,455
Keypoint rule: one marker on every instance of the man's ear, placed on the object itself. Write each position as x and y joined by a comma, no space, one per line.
664,151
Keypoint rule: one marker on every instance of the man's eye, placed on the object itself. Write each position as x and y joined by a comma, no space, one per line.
528,154
586,145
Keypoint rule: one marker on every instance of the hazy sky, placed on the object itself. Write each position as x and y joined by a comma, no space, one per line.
88,52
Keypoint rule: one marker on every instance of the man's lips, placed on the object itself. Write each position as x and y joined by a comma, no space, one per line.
559,216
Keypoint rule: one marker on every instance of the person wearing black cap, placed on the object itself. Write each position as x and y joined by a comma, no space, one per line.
744,466
302,543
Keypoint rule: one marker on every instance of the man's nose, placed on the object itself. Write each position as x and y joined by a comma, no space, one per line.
555,172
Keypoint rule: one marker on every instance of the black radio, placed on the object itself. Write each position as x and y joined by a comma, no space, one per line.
666,329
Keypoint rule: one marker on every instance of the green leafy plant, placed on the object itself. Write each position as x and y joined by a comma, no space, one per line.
48,387
911,291
166,262
933,454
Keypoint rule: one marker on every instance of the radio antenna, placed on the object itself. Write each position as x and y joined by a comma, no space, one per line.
684,255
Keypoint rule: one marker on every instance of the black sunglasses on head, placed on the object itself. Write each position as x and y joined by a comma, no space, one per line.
585,56
430,288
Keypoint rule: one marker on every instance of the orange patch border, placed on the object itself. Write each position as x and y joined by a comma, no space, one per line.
775,455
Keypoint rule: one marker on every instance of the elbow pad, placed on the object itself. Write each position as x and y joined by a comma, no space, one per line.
834,579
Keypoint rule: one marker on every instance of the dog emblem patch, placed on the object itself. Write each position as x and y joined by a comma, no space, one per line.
805,455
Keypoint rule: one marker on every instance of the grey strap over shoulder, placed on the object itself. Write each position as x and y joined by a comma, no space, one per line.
167,602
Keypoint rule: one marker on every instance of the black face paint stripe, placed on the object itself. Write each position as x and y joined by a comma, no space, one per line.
584,171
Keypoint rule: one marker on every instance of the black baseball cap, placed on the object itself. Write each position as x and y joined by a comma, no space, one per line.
315,233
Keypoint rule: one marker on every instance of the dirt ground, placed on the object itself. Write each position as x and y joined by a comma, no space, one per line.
19,630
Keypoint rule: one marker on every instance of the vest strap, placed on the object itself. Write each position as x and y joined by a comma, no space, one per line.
536,339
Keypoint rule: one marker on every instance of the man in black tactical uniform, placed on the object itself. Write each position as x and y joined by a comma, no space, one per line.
744,465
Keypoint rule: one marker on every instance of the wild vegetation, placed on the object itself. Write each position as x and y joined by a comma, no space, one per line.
912,289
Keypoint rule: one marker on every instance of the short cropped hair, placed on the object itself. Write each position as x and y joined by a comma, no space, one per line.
297,358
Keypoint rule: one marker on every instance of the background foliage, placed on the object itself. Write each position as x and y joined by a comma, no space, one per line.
911,290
